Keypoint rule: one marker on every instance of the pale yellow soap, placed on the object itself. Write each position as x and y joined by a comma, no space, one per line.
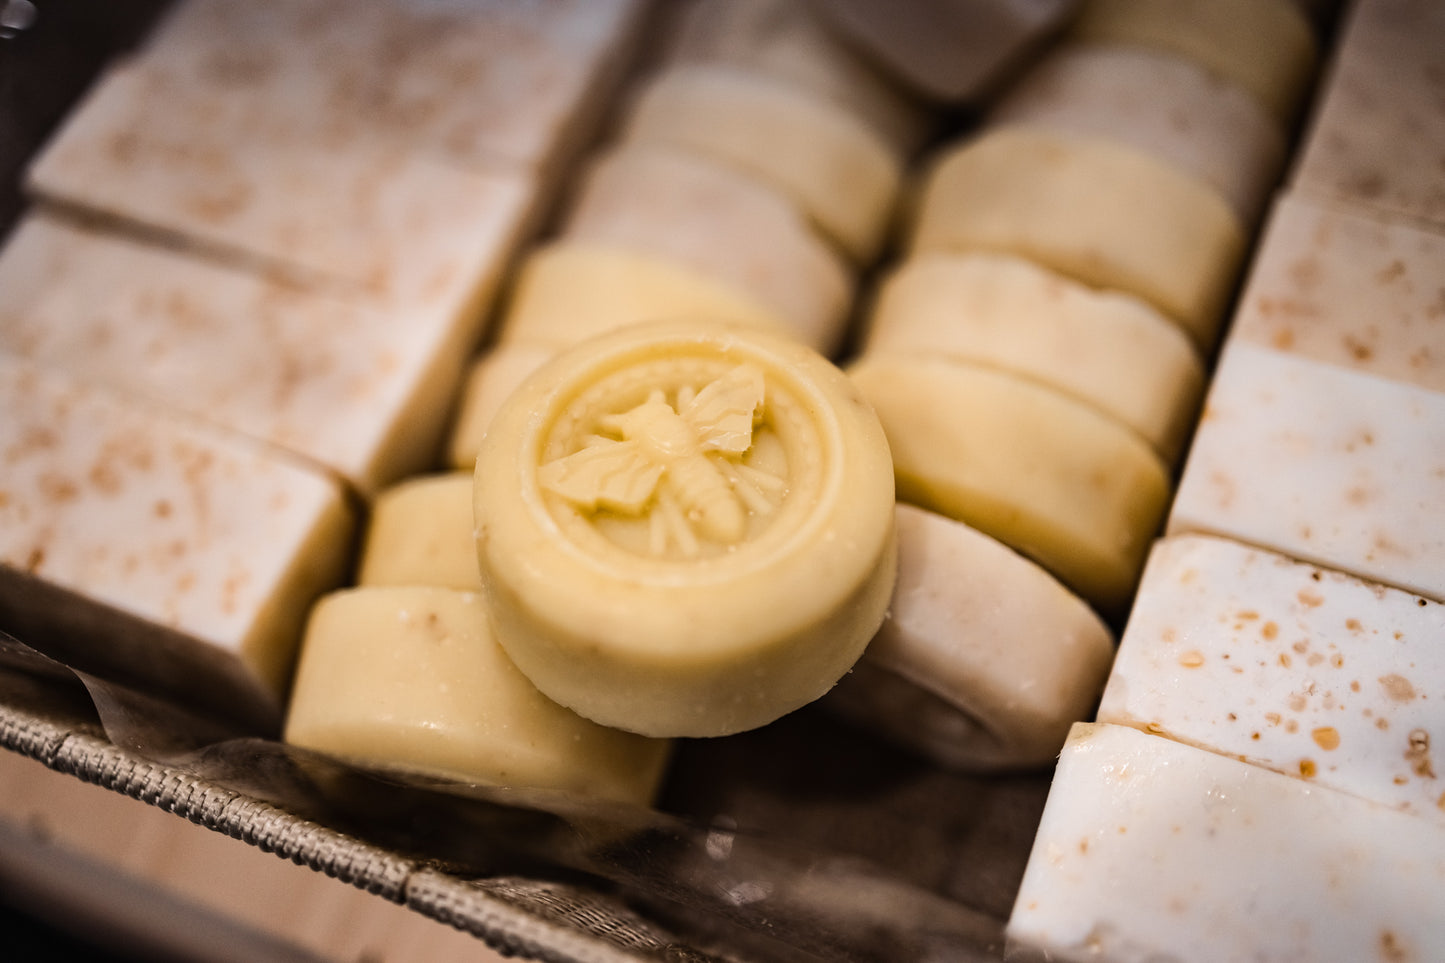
420,533
1047,476
984,661
569,291
1265,46
841,173
411,678
492,379
1107,349
711,219
146,546
1105,214
686,529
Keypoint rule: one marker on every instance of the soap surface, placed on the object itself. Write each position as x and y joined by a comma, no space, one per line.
492,379
411,678
685,529
153,548
420,533
984,661
1148,847
1302,670
1321,463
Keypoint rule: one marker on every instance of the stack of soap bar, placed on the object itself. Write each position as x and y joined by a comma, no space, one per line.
1149,848
146,546
1299,669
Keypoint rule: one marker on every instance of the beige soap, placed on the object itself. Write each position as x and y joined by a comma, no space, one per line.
492,379
1170,108
839,172
1265,46
720,223
1047,476
1109,350
411,678
1105,214
686,529
569,291
984,661
420,533
362,392
143,545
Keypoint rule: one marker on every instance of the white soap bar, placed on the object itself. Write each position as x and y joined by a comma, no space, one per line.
984,661
495,84
421,532
1168,107
1046,475
1265,46
365,215
412,679
492,379
1378,133
1103,213
1350,289
1152,850
362,392
842,175
787,40
685,528
150,547
1107,349
569,291
722,224
1303,670
1323,464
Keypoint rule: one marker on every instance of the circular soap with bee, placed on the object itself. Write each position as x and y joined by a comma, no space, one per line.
685,529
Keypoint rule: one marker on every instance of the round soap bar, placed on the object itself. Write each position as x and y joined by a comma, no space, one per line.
411,678
686,529
420,533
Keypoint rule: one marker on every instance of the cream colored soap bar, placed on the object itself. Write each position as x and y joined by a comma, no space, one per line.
492,379
361,392
1109,350
720,223
364,216
1170,108
411,678
1299,669
1149,848
686,529
1378,134
145,546
984,661
566,292
839,172
1047,476
1321,463
1265,46
1102,213
1348,289
787,40
421,533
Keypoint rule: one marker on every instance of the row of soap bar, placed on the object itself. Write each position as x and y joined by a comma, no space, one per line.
260,250
1282,656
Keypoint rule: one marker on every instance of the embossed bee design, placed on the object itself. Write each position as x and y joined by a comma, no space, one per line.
682,462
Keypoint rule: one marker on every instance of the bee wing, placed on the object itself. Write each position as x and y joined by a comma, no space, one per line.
722,413
616,475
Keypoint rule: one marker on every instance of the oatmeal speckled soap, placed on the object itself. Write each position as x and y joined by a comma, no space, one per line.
686,529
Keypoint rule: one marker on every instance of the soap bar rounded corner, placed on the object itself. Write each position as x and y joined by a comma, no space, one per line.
686,528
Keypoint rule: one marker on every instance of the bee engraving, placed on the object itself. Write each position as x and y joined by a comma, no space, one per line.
682,462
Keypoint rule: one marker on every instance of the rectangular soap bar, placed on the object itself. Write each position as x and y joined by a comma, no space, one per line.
1321,463
363,392
1300,669
1378,134
150,547
1150,849
1349,288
